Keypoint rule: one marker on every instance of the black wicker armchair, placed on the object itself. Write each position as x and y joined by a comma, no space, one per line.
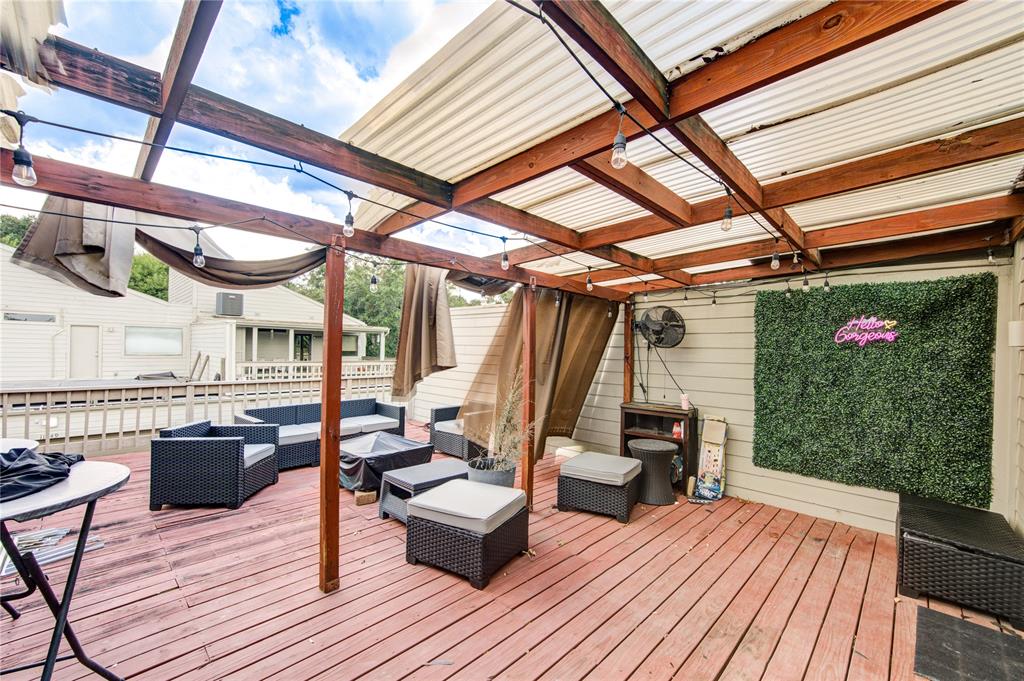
204,464
447,437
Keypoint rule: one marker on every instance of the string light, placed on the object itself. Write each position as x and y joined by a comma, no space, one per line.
609,310
533,283
22,173
686,299
789,291
727,217
826,287
198,259
991,257
714,297
646,297
619,155
373,282
590,282
806,286
775,261
349,229
504,254
558,298
796,257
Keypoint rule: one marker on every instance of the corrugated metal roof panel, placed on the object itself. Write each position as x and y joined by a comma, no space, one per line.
504,84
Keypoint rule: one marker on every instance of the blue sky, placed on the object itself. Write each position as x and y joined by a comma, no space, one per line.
321,64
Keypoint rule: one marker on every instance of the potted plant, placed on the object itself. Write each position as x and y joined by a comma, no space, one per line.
507,437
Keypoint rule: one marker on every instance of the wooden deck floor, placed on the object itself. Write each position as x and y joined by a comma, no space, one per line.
733,591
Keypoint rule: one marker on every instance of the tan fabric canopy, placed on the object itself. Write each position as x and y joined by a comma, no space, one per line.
425,342
571,338
77,243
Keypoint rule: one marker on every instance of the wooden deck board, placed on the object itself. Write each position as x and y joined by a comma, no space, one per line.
731,591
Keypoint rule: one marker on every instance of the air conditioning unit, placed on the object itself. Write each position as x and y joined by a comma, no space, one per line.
230,304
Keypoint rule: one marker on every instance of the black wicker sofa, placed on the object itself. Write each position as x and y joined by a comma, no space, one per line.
446,434
299,437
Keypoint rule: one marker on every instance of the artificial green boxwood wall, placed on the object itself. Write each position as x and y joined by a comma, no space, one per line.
912,415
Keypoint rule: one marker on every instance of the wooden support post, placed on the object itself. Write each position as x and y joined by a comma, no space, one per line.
330,422
627,353
529,387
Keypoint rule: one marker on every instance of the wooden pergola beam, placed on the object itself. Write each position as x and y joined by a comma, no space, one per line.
601,36
93,73
330,424
636,185
904,224
974,146
914,247
190,37
89,184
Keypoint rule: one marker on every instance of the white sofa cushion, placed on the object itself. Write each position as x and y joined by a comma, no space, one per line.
604,468
302,432
472,506
370,423
350,427
454,427
253,454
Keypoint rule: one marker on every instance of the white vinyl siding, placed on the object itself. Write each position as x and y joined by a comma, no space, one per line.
1017,399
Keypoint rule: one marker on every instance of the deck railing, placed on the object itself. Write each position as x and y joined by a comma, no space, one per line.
256,371
118,418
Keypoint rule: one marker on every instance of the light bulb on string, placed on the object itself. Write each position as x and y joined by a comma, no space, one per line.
374,283
533,283
590,282
826,287
504,254
991,257
646,297
789,291
619,156
558,298
610,311
23,174
714,297
775,261
686,299
727,216
796,258
198,259
349,229
806,286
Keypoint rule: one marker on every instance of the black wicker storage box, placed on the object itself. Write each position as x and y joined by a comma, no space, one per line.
964,555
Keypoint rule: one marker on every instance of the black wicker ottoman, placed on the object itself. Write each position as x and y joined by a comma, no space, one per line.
656,477
964,555
469,528
599,483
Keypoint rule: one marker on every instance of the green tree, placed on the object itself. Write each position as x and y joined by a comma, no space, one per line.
12,229
149,276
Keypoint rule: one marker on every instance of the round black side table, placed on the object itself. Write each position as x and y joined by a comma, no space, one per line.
655,475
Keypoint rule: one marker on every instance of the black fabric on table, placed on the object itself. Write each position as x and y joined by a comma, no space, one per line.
24,471
365,460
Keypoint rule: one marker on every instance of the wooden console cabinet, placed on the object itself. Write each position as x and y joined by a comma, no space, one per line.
654,421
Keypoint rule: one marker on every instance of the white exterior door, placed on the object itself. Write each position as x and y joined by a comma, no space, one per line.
84,352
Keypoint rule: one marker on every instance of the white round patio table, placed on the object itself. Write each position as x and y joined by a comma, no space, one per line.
87,481
9,443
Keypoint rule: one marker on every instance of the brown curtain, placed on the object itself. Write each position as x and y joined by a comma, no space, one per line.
76,243
425,341
571,339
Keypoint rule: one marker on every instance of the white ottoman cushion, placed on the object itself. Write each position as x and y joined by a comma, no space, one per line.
604,468
371,423
303,432
472,506
452,427
253,454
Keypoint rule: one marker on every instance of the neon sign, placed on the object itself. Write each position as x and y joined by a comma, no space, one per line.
865,330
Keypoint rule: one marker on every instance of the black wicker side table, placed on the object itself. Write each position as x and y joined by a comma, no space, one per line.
965,555
656,475
398,486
